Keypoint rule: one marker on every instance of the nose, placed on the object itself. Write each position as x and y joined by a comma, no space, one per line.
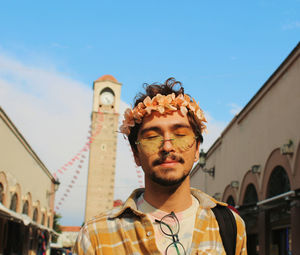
167,145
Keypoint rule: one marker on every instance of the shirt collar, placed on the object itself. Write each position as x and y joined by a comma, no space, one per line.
205,201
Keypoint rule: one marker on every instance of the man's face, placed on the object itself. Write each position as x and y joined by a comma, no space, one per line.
167,148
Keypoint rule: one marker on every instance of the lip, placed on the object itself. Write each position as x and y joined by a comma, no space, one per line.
169,163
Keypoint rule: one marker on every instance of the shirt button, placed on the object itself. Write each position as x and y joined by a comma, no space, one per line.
149,233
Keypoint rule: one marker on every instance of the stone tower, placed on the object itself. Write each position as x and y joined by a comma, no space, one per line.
101,174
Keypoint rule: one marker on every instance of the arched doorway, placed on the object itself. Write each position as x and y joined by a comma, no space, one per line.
230,201
279,212
249,212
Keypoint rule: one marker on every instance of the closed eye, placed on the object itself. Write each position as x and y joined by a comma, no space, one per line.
151,137
180,135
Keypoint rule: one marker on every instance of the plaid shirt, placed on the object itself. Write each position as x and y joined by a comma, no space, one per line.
125,230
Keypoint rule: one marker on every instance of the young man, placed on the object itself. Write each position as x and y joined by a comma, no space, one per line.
167,217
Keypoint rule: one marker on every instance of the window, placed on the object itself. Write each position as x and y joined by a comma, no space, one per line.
35,215
250,195
43,219
279,182
230,201
25,208
14,202
1,193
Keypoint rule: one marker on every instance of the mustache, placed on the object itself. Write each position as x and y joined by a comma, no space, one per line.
162,159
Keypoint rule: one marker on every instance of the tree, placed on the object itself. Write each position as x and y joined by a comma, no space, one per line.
56,226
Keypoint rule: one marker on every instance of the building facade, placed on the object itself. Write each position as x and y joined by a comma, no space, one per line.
27,192
68,236
102,160
255,163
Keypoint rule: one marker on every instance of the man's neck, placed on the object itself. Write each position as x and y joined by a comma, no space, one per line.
167,199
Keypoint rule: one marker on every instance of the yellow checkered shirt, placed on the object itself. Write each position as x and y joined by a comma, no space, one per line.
125,230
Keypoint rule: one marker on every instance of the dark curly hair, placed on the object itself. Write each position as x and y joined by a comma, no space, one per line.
165,89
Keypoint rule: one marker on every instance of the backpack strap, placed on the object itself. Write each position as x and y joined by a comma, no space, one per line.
227,227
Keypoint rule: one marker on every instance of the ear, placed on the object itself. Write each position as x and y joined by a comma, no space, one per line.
197,152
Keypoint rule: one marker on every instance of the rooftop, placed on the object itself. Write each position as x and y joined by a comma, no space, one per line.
107,77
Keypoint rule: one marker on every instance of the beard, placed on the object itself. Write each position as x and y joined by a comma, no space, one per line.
165,181
168,182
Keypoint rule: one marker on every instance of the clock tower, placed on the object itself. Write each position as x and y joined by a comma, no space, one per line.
102,161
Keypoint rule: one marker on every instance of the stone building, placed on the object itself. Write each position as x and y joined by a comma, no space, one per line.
68,236
255,163
27,192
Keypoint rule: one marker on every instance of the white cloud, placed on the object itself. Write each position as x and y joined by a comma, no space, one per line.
58,45
214,130
52,111
234,108
126,170
291,25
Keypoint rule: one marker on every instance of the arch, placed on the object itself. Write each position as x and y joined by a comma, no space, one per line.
14,202
43,219
278,182
16,196
4,193
1,193
28,198
230,191
249,178
25,208
50,219
251,196
107,89
230,200
275,159
296,170
36,214
44,216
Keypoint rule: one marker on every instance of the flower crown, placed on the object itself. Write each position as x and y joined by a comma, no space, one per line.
162,104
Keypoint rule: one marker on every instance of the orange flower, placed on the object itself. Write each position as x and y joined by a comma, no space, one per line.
162,104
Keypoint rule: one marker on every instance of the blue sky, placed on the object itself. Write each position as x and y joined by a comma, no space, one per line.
223,52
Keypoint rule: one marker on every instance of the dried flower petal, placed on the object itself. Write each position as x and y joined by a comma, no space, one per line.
164,105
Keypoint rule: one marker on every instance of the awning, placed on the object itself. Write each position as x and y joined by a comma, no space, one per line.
22,218
12,215
284,196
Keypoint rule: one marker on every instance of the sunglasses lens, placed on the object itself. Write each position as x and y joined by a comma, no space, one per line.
183,143
153,144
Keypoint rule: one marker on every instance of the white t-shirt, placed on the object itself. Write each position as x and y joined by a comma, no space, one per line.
186,220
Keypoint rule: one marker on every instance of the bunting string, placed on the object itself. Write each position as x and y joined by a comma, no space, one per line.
78,160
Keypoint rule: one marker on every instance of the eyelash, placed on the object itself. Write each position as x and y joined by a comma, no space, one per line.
151,137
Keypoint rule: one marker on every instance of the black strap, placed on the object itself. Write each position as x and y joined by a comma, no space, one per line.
227,226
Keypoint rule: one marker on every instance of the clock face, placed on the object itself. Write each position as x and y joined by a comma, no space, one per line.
107,98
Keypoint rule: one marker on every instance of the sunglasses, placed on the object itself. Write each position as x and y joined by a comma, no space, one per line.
151,141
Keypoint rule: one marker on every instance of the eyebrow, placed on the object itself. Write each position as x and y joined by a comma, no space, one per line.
157,129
